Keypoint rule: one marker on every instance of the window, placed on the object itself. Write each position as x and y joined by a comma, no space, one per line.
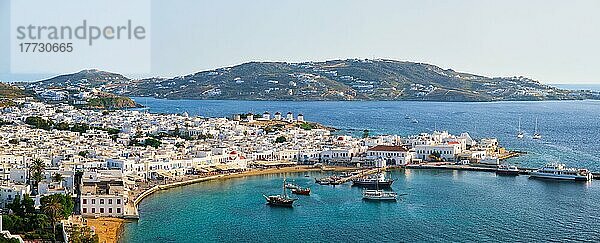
118,210
118,201
93,209
101,201
84,201
93,201
84,210
101,210
109,210
109,201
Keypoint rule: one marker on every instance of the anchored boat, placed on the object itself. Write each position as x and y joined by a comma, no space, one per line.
378,181
301,191
561,172
507,169
379,195
281,200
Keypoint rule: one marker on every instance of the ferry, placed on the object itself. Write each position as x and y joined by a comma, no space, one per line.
373,182
507,169
379,195
561,172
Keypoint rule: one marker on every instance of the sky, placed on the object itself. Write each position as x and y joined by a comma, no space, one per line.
550,41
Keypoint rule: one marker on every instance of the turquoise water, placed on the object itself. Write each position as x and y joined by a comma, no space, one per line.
440,206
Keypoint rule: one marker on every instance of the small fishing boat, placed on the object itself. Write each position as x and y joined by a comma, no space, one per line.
291,186
379,195
301,191
323,181
507,169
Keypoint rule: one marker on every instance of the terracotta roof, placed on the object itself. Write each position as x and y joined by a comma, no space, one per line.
388,148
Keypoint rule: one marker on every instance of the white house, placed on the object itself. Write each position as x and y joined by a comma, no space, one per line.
392,155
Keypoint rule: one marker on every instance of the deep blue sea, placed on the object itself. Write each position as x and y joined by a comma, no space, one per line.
439,205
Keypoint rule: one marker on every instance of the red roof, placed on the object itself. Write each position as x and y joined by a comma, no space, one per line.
453,142
388,148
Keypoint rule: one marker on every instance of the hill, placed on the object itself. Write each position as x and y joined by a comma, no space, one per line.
351,79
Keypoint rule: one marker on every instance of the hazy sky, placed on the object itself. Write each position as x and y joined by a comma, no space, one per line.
552,41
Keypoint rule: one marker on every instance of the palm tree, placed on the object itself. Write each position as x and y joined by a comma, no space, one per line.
57,177
53,208
37,172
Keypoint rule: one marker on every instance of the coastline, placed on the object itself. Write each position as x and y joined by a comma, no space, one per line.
111,229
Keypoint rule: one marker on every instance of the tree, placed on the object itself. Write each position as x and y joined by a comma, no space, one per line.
37,172
436,156
365,133
56,207
83,153
57,177
22,207
63,126
152,142
38,122
82,235
280,139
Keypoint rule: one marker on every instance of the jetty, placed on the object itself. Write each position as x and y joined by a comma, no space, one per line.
522,170
336,180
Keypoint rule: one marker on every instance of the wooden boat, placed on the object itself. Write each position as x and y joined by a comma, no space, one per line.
281,200
301,191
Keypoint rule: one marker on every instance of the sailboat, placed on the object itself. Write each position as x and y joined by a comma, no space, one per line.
536,134
520,134
281,200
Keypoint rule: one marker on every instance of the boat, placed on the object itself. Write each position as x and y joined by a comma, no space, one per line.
536,134
507,169
561,172
281,200
301,191
291,186
323,181
379,195
520,134
378,181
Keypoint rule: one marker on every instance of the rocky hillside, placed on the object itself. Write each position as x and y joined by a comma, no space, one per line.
351,79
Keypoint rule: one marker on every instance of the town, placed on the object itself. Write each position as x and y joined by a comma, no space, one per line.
106,161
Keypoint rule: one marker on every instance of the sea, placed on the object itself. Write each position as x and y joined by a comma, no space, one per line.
436,206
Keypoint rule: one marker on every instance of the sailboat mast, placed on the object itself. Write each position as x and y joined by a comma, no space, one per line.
284,192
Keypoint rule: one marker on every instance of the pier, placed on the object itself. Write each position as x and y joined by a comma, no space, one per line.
522,170
361,174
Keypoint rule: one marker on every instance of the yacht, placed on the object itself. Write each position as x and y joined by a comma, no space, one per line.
536,134
520,134
379,195
507,169
561,172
